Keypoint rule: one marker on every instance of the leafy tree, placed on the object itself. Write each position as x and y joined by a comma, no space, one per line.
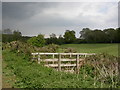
17,35
52,40
84,33
60,40
69,36
38,41
117,35
87,35
9,36
110,32
99,36
53,35
7,31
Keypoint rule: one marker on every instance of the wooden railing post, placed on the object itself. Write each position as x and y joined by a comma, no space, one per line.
38,58
77,64
59,62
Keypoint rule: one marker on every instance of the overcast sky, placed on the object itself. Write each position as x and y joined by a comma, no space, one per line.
55,17
0,16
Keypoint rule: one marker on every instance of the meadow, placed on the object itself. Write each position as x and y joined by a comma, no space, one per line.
111,49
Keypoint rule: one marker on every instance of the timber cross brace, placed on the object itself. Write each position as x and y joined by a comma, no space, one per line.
68,62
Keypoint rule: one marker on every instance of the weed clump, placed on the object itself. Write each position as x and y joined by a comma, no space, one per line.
105,68
70,50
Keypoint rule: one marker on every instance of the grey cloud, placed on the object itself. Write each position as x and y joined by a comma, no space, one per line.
34,18
24,10
0,15
119,14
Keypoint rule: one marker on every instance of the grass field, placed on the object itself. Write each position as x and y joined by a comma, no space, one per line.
93,48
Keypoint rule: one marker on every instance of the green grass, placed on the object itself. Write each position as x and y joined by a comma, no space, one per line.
33,75
111,49
8,77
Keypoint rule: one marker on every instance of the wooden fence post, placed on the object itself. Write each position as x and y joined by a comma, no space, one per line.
53,56
59,62
77,64
38,58
70,55
33,57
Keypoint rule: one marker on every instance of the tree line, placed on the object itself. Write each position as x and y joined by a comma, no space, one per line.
109,35
8,35
87,35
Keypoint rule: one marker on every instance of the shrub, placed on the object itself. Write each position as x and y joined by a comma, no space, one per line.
53,47
19,47
38,41
50,48
70,50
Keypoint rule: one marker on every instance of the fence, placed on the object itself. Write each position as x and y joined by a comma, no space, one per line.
68,62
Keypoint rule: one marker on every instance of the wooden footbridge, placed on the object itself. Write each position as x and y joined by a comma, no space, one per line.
68,62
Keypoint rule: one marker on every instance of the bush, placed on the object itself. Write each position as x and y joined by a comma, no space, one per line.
38,41
19,47
70,50
26,49
50,48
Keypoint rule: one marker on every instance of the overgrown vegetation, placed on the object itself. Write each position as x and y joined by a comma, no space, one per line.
99,71
21,47
105,68
33,75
